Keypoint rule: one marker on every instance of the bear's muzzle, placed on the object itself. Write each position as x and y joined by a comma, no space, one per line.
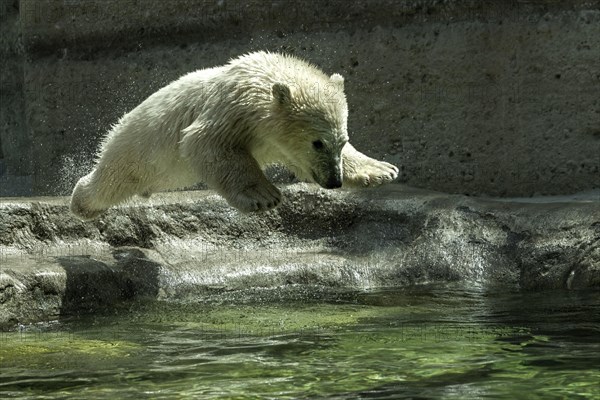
333,182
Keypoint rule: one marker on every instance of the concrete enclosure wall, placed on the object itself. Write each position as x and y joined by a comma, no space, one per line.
478,97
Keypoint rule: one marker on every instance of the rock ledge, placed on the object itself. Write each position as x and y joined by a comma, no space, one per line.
185,246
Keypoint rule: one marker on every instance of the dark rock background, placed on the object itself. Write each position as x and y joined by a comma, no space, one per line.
478,97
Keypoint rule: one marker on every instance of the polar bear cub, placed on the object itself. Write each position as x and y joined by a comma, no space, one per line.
221,126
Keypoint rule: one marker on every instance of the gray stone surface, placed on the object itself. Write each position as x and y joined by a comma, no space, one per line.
185,246
479,97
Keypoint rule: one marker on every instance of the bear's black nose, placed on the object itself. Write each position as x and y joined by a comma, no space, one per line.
333,183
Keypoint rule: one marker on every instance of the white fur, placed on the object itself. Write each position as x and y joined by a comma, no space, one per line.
221,126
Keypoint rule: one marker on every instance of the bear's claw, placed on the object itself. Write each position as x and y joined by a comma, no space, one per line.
256,198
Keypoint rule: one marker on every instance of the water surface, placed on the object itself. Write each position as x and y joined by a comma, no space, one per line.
426,342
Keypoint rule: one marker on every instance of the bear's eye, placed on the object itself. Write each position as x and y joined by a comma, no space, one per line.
317,144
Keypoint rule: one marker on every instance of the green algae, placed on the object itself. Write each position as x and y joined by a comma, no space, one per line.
59,349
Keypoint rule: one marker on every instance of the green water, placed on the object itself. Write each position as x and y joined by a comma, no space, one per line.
429,342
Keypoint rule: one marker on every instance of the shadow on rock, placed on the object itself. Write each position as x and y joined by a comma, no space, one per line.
93,285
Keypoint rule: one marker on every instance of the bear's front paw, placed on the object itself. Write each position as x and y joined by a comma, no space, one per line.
372,173
256,198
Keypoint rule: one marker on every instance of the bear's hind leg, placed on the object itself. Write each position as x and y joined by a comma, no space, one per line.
103,188
85,203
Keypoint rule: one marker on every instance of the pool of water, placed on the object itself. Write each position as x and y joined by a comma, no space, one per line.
426,342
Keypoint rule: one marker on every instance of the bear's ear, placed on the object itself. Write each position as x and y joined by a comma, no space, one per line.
282,94
337,80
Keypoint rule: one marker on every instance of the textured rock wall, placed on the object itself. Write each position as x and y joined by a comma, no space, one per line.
16,167
479,97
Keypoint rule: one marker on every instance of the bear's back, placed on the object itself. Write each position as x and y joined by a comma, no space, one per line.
265,69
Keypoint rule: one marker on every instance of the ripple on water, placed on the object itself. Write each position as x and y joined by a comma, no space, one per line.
433,342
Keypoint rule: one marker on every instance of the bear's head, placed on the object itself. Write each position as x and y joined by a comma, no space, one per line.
314,126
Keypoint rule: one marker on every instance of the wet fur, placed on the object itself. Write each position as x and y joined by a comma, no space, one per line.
221,126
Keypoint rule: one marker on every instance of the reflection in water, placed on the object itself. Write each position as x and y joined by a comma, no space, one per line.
432,342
